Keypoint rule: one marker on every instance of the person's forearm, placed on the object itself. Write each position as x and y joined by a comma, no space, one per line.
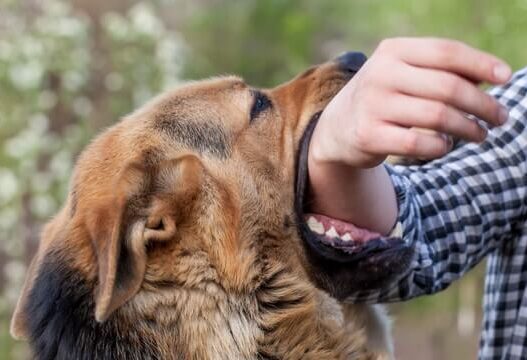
364,197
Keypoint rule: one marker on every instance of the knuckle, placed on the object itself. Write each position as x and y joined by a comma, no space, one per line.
443,146
484,68
452,87
410,143
370,100
362,139
387,45
376,79
490,105
384,45
475,129
439,146
438,116
439,150
446,50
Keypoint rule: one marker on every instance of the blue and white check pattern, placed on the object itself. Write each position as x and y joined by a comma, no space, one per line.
458,209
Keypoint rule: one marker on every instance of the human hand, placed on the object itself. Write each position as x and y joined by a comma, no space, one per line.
410,84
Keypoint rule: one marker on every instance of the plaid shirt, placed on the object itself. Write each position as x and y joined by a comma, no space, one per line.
457,210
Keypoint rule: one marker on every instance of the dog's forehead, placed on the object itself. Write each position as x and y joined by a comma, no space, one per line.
226,94
212,87
201,115
194,94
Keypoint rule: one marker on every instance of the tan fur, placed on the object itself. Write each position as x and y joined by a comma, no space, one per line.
215,260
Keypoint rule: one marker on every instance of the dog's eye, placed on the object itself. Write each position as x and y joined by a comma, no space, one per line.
261,103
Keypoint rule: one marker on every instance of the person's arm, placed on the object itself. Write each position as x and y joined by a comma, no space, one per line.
457,209
453,211
407,83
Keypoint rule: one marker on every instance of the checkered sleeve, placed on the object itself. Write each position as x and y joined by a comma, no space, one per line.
455,210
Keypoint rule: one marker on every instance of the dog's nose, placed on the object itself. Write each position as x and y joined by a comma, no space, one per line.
351,61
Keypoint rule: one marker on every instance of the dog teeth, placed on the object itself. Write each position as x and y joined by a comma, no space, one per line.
397,231
346,237
315,226
332,232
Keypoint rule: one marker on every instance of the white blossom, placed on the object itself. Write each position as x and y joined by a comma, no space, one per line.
8,185
27,75
144,19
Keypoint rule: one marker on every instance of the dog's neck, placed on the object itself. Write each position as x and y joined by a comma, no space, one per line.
165,324
272,322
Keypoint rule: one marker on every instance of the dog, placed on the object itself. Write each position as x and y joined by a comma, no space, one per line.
183,237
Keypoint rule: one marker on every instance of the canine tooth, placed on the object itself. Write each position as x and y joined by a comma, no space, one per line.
332,232
346,237
314,225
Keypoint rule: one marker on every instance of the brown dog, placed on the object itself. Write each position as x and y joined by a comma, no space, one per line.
179,238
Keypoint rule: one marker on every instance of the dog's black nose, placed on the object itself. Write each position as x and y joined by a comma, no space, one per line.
351,61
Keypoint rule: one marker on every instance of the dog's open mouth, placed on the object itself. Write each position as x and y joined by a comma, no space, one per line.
331,229
319,230
347,258
333,238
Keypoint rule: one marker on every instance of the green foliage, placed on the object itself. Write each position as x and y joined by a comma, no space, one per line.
265,41
269,41
495,26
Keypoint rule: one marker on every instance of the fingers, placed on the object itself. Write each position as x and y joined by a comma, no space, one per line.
395,140
449,89
408,111
411,84
449,55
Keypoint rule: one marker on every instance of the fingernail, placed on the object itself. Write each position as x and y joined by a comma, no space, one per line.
503,115
502,72
449,142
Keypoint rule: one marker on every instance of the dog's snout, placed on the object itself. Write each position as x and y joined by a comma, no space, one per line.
351,61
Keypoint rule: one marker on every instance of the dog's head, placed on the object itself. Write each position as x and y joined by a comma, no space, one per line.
193,191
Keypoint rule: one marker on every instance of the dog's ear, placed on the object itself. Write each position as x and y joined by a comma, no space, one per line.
144,205
146,209
117,235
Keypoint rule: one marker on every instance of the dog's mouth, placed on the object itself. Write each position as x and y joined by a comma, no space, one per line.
332,238
331,230
343,258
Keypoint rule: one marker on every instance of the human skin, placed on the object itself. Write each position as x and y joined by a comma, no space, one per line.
407,83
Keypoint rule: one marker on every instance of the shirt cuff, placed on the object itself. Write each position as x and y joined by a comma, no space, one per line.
406,219
408,226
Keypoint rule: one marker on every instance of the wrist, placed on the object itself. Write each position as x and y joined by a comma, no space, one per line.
362,196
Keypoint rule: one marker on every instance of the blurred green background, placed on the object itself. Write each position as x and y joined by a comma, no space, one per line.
70,68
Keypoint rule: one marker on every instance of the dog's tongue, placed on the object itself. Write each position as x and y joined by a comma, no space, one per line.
333,228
